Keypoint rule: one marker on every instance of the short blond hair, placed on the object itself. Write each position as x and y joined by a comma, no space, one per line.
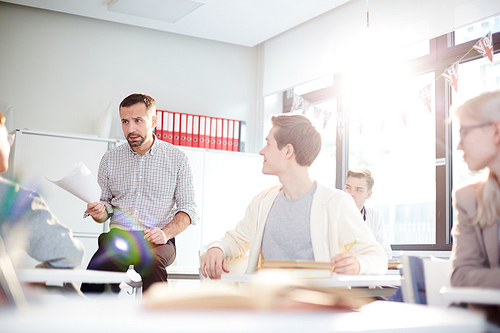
362,174
300,132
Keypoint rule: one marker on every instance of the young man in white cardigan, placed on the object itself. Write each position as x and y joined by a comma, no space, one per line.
299,219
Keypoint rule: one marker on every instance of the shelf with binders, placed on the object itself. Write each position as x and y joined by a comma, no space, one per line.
190,130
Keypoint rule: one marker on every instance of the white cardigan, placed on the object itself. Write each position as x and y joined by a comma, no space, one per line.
335,223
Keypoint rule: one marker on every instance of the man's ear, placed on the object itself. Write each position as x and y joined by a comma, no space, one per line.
289,152
155,121
369,194
496,128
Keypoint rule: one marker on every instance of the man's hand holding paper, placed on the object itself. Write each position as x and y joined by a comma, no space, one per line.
98,211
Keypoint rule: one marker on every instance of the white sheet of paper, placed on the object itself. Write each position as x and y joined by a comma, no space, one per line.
81,183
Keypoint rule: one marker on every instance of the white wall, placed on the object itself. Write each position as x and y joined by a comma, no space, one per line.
60,72
339,39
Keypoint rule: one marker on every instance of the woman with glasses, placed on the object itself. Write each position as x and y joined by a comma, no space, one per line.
477,236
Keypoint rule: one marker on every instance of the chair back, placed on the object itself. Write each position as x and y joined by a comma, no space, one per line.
412,280
423,278
11,292
437,274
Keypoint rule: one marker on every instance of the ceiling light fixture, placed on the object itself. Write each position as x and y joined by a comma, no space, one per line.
162,10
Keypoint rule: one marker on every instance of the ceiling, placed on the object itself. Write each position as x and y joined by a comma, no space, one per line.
240,22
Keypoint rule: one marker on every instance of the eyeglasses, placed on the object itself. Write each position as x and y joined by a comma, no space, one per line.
462,132
11,138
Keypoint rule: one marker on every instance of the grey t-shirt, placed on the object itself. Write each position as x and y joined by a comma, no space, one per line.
287,235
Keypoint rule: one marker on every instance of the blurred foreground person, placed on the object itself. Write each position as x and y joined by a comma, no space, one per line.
476,244
27,223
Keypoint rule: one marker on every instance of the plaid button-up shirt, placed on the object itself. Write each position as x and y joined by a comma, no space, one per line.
146,191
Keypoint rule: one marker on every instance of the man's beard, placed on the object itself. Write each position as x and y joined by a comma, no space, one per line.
137,143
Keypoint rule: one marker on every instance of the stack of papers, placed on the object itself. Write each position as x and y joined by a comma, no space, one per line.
300,269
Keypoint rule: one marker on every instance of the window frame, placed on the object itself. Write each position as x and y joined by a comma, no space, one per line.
443,53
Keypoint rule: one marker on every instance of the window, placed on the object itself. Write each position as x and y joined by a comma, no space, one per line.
392,134
477,30
415,164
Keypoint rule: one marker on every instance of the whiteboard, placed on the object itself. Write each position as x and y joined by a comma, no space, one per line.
38,155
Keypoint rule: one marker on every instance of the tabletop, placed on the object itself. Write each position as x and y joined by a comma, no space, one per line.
111,315
59,276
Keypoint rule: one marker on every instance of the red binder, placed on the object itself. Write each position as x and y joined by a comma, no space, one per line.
159,129
218,136
183,135
196,129
225,130
168,126
208,129
213,131
189,131
230,134
236,136
177,128
202,132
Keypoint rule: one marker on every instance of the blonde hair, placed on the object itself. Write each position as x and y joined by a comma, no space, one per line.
484,108
300,132
362,174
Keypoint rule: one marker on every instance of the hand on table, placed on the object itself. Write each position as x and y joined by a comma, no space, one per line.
346,263
213,263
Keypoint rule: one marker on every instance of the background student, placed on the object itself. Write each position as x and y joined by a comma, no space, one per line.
359,184
26,222
476,243
300,219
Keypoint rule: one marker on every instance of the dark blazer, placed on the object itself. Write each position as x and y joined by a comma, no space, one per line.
475,251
